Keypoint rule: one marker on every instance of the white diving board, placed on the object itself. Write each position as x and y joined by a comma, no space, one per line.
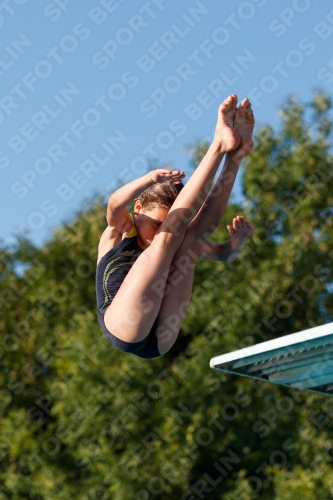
302,360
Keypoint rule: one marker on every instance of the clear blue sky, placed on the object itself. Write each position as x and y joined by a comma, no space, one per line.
93,90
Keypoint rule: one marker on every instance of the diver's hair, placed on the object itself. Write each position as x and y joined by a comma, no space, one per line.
159,195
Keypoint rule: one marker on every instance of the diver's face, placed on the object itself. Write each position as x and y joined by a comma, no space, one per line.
148,221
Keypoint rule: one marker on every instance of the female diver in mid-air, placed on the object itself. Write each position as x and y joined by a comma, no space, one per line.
146,264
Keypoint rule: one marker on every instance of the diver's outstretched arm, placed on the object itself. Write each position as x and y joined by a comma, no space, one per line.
228,251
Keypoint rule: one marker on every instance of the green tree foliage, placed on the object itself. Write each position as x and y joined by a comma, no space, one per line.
82,420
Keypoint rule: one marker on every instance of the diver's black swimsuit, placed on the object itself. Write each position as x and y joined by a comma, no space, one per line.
111,271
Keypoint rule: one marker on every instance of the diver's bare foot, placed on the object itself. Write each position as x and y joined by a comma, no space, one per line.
244,125
226,137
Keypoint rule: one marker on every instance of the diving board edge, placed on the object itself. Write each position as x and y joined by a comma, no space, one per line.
270,345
